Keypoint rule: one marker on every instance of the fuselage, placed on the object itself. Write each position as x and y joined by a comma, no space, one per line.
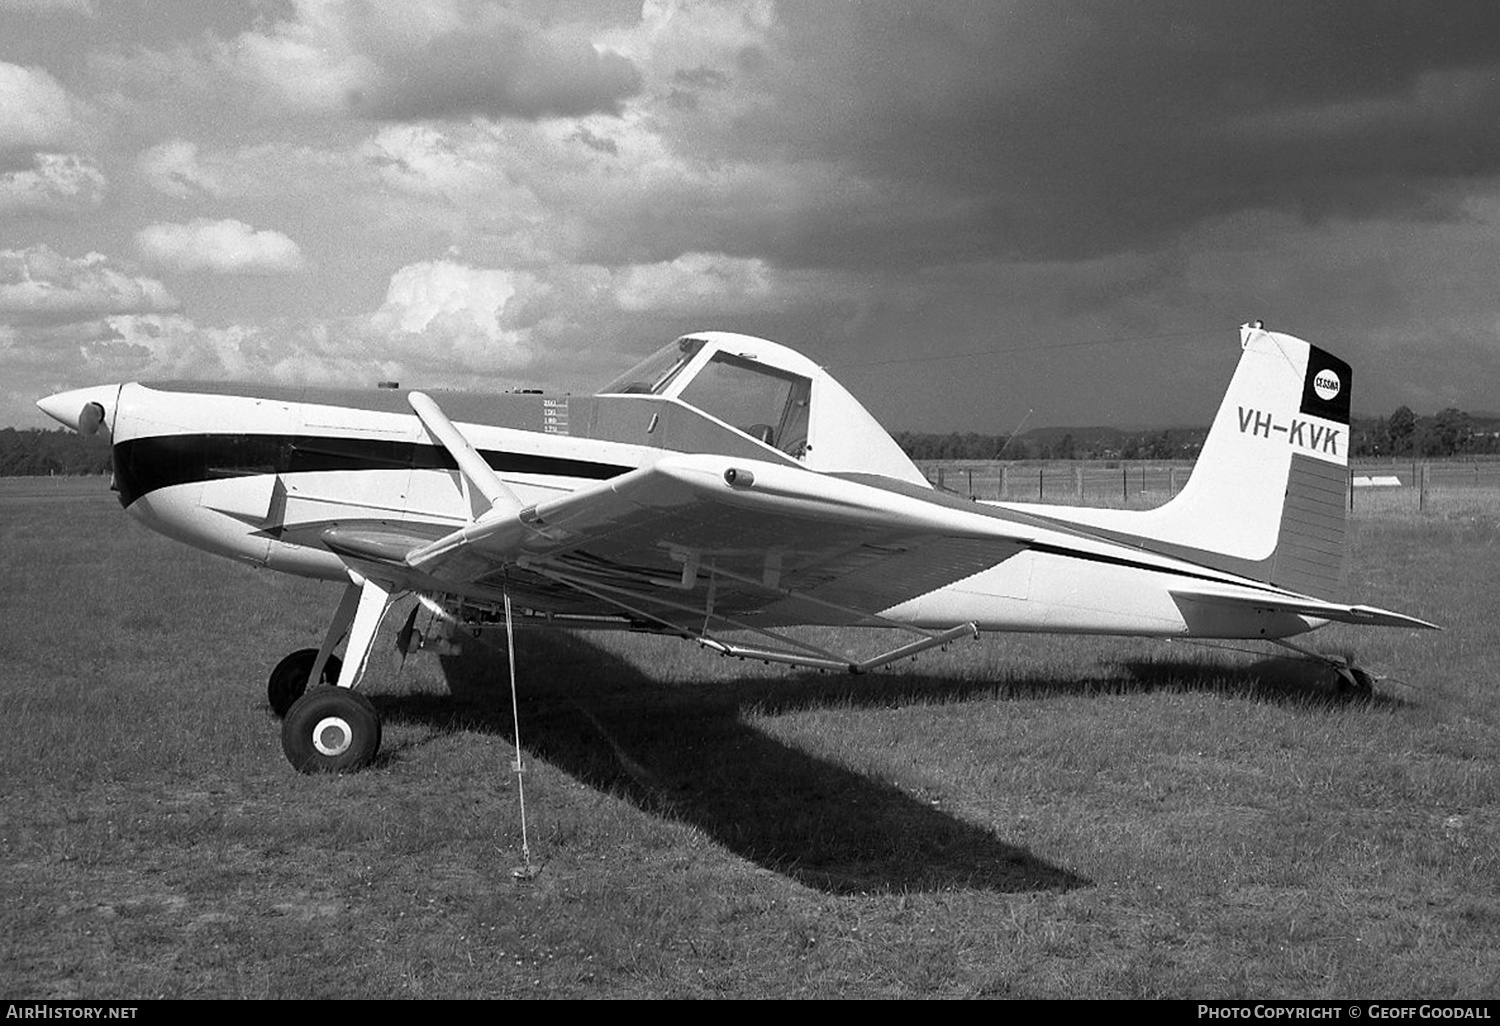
260,475
269,475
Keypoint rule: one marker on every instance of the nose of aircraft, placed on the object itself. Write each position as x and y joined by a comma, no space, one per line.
82,409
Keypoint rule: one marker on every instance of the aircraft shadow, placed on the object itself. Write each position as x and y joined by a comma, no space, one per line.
684,751
1285,680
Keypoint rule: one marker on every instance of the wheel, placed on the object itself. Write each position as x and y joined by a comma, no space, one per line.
1354,680
331,730
289,679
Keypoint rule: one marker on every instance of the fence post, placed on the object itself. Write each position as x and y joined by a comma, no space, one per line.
1040,472
1078,481
1422,491
1001,494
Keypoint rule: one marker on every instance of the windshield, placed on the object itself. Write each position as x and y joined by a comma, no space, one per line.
653,374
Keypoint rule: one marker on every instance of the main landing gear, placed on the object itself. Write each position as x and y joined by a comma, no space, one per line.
332,729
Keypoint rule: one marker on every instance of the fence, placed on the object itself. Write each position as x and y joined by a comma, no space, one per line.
1141,484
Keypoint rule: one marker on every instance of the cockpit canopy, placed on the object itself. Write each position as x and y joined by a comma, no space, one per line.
773,394
766,402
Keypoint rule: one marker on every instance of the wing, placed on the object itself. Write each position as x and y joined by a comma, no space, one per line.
761,543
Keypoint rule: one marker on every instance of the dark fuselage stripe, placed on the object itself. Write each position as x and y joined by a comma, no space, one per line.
143,465
1136,564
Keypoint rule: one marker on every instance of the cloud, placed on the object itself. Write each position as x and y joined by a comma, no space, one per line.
48,6
392,60
695,282
56,183
1070,131
39,286
174,168
36,113
441,321
455,314
224,247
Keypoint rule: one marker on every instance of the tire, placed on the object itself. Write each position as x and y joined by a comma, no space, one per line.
1354,681
289,679
331,730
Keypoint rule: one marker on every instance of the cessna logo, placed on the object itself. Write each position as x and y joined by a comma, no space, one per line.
1326,385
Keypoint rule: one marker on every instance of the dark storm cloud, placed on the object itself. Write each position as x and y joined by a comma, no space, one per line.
1079,129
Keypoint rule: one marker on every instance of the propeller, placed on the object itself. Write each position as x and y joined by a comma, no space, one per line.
90,418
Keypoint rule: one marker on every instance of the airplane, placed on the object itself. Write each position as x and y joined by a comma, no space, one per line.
724,486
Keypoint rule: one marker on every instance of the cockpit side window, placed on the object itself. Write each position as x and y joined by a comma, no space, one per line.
768,404
653,374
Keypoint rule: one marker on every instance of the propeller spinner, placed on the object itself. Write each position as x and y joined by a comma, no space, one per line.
85,410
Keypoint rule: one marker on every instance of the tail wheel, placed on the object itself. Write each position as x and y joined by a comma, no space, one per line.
1354,680
331,730
289,679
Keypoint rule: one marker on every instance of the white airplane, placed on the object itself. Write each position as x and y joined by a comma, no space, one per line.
724,484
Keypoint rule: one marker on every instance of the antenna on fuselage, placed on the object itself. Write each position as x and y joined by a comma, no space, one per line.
1012,436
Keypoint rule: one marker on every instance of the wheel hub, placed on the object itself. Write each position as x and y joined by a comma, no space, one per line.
333,735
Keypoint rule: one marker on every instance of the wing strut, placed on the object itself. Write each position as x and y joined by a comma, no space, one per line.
473,466
822,660
970,629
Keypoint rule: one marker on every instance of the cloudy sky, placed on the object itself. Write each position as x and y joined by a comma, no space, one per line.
973,213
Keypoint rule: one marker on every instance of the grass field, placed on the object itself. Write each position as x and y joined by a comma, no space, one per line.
1021,816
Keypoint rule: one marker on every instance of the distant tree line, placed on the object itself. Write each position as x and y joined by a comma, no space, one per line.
1056,444
1451,432
33,452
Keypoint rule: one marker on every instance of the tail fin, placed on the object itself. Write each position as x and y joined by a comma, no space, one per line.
1268,496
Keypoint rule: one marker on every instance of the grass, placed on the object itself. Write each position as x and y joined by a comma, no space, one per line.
1025,816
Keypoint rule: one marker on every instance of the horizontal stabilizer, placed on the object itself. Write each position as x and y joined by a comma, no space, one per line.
1364,616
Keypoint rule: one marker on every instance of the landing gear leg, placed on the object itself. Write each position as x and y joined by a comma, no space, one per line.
336,730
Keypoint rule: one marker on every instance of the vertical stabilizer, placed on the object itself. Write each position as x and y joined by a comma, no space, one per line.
1268,496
